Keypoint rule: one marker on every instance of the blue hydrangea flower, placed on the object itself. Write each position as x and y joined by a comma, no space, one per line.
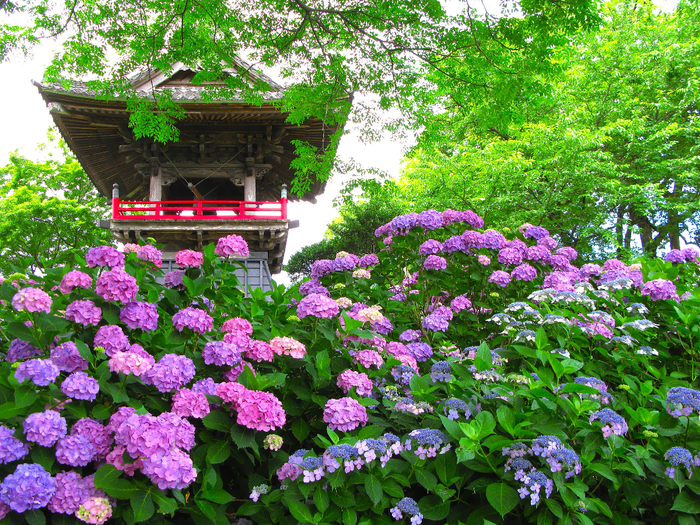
678,456
613,423
682,401
453,407
441,371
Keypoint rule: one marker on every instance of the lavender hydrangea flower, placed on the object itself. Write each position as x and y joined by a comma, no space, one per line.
410,507
134,361
344,414
71,492
96,433
428,440
174,280
116,285
67,358
74,279
351,379
84,313
79,385
678,456
313,286
430,219
11,448
430,247
170,373
139,314
690,254
538,254
74,450
524,272
317,305
675,256
45,428
436,323
220,353
41,372
681,401
613,423
174,470
368,260
320,268
472,239
435,262
29,487
150,254
510,256
20,350
111,338
536,232
500,278
232,245
533,483
32,300
420,351
195,319
660,290
104,256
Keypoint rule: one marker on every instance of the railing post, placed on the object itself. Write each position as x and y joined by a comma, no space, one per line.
283,201
115,201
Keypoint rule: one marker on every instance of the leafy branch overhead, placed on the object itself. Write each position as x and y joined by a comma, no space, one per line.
401,53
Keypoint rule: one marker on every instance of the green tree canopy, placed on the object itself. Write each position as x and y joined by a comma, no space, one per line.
403,54
48,209
605,155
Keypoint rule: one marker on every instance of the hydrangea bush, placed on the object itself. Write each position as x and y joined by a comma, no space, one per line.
462,375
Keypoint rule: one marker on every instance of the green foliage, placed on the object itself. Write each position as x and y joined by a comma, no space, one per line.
48,209
397,54
604,153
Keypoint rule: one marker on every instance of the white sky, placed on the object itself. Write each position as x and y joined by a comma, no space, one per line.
25,120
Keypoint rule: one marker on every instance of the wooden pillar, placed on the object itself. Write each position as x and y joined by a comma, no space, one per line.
249,193
156,193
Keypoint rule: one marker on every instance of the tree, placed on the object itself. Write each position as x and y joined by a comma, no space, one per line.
403,54
48,209
606,155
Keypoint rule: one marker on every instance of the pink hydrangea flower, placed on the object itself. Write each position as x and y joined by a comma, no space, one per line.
260,411
187,403
344,414
32,300
151,254
84,313
288,346
117,285
195,319
349,379
232,245
74,279
367,358
104,256
237,324
189,259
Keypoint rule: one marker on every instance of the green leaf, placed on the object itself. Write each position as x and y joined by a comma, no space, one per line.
85,352
323,364
25,395
35,517
244,438
418,384
218,452
142,505
433,508
121,488
502,497
218,420
20,331
216,495
486,424
300,511
300,429
105,476
484,359
321,500
685,502
604,471
8,410
506,418
427,479
374,488
349,517
166,505
541,340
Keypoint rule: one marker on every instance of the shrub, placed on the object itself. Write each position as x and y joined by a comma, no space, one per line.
440,392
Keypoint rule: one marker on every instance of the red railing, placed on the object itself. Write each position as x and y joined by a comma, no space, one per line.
199,210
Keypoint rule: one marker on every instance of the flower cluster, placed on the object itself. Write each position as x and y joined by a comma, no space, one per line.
613,423
344,414
75,279
199,321
84,313
104,256
32,300
232,245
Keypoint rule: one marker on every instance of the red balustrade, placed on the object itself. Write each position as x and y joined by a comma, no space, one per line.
198,210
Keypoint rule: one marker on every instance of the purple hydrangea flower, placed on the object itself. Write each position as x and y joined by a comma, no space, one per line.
368,260
410,335
346,263
568,252
67,358
116,285
538,254
435,262
547,242
313,286
172,470
560,281
681,401
139,314
29,487
104,256
690,254
74,279
351,379
96,433
220,353
590,269
134,361
454,406
344,414
320,268
232,245
430,219
536,232
32,300
11,448
510,256
188,403
111,338
453,244
430,247
74,450
675,256
84,313
20,350
459,303
660,290
472,239
170,373
500,278
173,279
79,385
317,305
150,254
524,272
195,319
260,411
436,323
402,224
71,492
472,219
40,371
45,428
493,240
420,351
